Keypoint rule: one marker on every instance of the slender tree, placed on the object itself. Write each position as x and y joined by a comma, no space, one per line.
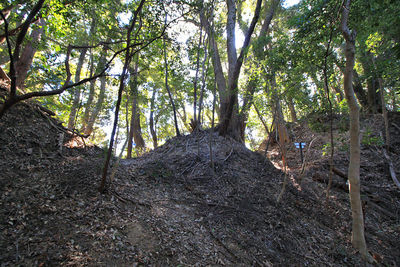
358,238
167,85
151,122
135,133
77,93
128,56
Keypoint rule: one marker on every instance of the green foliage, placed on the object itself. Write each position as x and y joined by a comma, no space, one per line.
292,53
326,149
371,139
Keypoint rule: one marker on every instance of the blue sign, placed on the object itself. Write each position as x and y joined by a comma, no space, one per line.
303,145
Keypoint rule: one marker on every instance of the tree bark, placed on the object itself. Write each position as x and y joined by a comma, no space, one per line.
151,122
359,90
358,238
203,80
217,66
240,122
128,56
230,115
195,120
167,87
99,104
230,38
4,76
135,133
292,109
373,95
88,105
24,63
357,85
77,93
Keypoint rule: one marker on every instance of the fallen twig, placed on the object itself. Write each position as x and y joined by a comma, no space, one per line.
228,155
396,126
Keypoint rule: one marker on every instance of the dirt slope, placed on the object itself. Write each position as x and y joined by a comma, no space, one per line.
169,207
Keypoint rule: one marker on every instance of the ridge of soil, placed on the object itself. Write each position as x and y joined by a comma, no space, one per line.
168,207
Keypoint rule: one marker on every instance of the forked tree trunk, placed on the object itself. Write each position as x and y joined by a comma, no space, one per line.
239,123
230,119
358,238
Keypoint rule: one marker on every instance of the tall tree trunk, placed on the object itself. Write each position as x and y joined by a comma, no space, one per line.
292,109
358,238
98,107
394,101
89,102
247,102
203,80
231,39
373,95
24,63
151,122
231,114
196,79
372,86
384,114
127,60
135,133
259,54
167,87
217,66
357,86
359,90
279,124
99,104
77,93
384,109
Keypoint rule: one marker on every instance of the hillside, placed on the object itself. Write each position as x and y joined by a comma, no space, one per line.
169,208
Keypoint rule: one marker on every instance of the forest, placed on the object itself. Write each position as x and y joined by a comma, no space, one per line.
199,132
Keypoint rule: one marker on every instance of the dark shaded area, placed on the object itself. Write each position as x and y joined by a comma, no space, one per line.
169,207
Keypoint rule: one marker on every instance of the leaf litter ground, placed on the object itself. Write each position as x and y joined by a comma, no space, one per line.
169,207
